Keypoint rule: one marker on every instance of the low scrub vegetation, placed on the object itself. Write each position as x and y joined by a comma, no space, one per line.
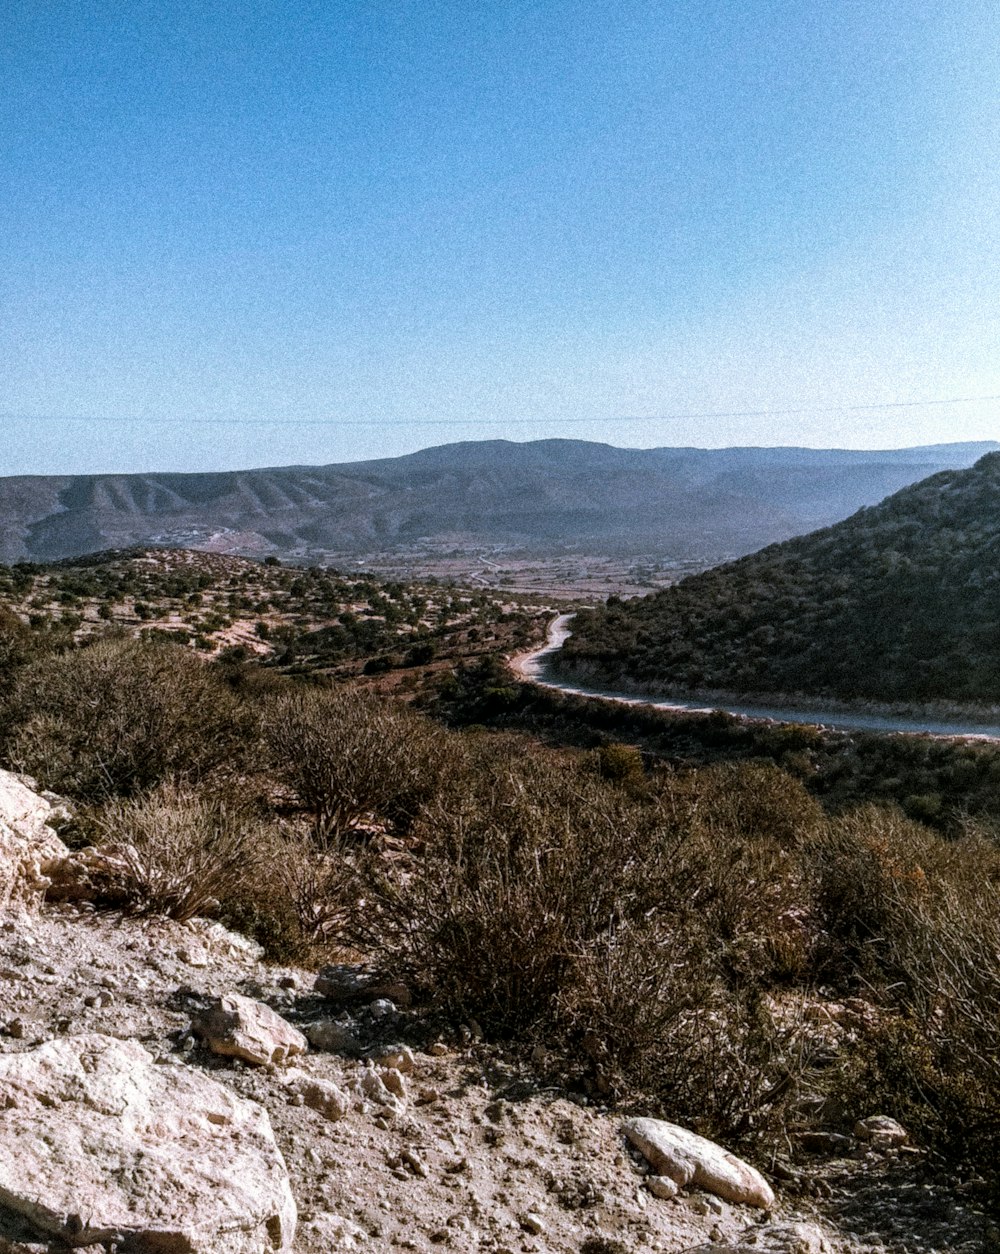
660,929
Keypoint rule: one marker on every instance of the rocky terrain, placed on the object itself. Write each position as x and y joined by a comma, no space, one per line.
544,496
163,1089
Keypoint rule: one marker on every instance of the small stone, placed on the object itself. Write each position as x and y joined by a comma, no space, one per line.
662,1187
320,1095
330,1035
793,1238
17,1028
881,1131
427,1096
238,1027
533,1223
438,1050
381,1008
826,1142
396,991
341,982
288,981
415,1163
373,1086
333,1232
399,1058
394,1082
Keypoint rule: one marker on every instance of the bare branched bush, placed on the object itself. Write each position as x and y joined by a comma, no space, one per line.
176,853
316,884
353,759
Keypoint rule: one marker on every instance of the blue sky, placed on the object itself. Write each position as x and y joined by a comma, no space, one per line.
263,233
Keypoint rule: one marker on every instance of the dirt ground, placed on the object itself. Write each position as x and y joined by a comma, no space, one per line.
480,1155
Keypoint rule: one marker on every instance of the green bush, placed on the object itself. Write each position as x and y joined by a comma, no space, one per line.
118,716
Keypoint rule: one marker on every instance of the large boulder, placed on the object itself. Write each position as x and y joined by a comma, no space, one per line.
30,850
689,1159
100,1144
239,1027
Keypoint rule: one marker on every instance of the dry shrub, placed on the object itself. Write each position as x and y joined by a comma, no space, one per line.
353,759
291,896
866,866
739,869
175,852
547,901
521,865
917,917
117,717
316,885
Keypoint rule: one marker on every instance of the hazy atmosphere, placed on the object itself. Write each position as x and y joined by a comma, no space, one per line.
245,235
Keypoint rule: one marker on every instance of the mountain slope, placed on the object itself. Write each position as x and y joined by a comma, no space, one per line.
899,602
706,504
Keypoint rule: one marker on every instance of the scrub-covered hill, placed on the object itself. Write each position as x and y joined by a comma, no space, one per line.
900,602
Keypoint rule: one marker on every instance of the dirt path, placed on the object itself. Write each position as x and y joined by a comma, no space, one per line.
533,667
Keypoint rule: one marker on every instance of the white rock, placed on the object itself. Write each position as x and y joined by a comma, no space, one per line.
239,1027
690,1159
94,1135
30,850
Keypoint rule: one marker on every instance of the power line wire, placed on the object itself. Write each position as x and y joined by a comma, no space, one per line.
135,420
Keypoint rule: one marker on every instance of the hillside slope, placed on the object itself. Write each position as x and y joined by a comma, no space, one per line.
900,602
686,503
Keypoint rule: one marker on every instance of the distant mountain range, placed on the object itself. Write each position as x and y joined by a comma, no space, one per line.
543,497
901,602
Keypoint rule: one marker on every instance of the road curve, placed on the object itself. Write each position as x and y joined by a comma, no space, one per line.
534,668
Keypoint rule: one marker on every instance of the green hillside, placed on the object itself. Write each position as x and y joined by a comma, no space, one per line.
900,602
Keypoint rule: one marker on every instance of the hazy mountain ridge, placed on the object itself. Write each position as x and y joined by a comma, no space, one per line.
900,602
704,503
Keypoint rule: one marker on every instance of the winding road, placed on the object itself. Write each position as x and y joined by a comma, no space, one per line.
534,668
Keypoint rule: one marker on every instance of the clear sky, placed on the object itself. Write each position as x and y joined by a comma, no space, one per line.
238,234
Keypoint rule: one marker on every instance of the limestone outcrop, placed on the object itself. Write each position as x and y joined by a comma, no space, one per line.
98,1143
30,850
